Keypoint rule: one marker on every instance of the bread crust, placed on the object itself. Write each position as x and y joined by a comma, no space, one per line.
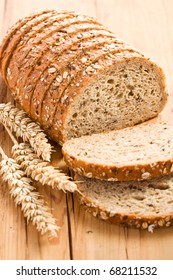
55,88
15,28
31,75
114,173
23,52
8,52
61,64
54,23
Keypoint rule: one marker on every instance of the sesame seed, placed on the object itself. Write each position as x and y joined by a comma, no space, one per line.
65,74
144,225
51,70
97,66
151,228
63,98
89,70
84,59
164,171
168,224
28,88
59,79
103,215
8,71
79,36
89,175
161,222
145,175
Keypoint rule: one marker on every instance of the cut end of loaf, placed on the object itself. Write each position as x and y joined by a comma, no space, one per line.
146,205
130,92
140,152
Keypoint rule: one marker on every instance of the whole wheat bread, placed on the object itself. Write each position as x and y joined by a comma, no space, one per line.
111,91
145,205
140,152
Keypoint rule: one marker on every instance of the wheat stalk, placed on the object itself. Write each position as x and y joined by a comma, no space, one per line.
40,170
24,127
25,194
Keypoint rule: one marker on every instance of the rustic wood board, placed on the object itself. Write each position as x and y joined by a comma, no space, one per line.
147,25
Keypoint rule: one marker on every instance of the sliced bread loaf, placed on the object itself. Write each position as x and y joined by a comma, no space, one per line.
135,153
145,205
114,92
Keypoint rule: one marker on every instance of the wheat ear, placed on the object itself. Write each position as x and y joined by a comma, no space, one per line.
40,170
24,127
24,194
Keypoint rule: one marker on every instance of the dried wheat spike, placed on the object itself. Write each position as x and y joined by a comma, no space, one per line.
40,170
24,127
24,194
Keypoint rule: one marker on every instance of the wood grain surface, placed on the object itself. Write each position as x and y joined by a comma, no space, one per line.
146,25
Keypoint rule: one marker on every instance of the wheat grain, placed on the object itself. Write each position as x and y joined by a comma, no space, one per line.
24,194
40,170
24,127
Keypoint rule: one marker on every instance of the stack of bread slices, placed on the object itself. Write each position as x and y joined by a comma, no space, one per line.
124,176
90,91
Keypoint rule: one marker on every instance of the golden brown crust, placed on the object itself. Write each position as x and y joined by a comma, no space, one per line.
125,173
29,47
45,29
40,74
30,75
8,52
15,28
59,66
147,222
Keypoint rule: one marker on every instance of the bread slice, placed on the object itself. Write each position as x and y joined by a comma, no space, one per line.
144,205
135,153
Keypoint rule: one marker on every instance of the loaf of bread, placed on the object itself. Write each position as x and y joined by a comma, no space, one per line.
75,77
140,152
145,205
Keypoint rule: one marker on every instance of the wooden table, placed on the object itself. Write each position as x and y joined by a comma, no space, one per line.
147,25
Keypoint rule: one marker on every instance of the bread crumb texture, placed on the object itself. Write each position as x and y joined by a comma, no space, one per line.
145,205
